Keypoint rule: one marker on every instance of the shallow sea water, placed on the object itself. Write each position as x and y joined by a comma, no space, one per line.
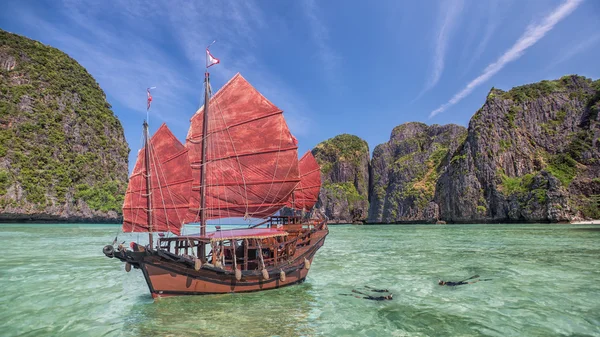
545,281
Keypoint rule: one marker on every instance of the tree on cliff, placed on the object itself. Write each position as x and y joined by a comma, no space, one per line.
64,154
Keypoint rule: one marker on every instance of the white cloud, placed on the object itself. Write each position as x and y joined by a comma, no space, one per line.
532,35
122,45
578,48
450,12
328,58
493,17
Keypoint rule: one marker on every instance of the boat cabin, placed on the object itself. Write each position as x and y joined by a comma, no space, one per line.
246,248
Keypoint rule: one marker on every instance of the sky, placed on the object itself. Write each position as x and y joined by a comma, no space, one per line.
333,67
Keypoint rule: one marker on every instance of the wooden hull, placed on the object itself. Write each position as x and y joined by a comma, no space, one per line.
166,277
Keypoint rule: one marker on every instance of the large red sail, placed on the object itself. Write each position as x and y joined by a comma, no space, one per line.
251,158
171,181
306,194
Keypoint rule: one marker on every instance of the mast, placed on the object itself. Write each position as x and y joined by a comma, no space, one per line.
203,163
148,183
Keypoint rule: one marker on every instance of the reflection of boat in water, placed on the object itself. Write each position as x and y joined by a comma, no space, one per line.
239,160
229,315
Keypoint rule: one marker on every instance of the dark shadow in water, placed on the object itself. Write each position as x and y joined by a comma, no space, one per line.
588,229
433,322
282,312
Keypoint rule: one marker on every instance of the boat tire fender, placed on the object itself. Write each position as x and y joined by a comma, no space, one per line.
108,250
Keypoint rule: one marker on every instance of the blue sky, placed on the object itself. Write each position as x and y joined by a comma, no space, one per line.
333,66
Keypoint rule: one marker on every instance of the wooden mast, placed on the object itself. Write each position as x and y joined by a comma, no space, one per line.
148,184
203,163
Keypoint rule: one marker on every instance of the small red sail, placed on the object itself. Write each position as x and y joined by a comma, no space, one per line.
251,157
171,182
306,194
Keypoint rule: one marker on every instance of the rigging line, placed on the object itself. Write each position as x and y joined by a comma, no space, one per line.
241,193
200,184
208,88
154,159
199,155
274,171
289,167
225,198
211,147
245,190
210,150
139,195
264,172
231,197
215,150
162,171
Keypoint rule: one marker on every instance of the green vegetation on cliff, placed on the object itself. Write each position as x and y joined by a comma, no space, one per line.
344,191
537,145
57,134
344,147
344,162
406,169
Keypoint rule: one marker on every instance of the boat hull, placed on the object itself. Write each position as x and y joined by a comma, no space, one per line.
166,277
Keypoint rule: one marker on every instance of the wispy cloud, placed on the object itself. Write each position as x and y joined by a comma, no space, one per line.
328,58
532,35
449,13
493,17
125,46
576,49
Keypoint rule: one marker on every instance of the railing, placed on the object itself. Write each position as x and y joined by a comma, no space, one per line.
278,220
246,251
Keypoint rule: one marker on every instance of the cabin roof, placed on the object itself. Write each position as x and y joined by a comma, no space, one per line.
245,233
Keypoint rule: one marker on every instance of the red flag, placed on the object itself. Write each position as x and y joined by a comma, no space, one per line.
149,99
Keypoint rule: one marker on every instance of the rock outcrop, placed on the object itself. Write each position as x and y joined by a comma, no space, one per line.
404,172
532,154
344,162
63,154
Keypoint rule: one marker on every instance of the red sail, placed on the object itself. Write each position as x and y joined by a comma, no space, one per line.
171,182
306,194
251,157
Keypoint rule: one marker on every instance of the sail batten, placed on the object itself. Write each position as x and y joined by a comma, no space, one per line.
250,171
171,182
250,153
229,127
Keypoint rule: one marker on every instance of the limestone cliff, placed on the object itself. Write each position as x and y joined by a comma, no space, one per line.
344,162
404,172
63,154
531,155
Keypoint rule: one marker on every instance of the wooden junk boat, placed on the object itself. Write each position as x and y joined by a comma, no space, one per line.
239,160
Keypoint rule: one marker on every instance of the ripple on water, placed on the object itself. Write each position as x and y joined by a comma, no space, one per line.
56,282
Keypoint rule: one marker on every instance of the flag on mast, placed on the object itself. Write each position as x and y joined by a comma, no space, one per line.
149,99
210,60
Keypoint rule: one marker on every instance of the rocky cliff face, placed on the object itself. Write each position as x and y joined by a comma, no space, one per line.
531,154
344,162
404,172
63,154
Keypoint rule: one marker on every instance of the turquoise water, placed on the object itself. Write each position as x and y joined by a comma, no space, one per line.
545,281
